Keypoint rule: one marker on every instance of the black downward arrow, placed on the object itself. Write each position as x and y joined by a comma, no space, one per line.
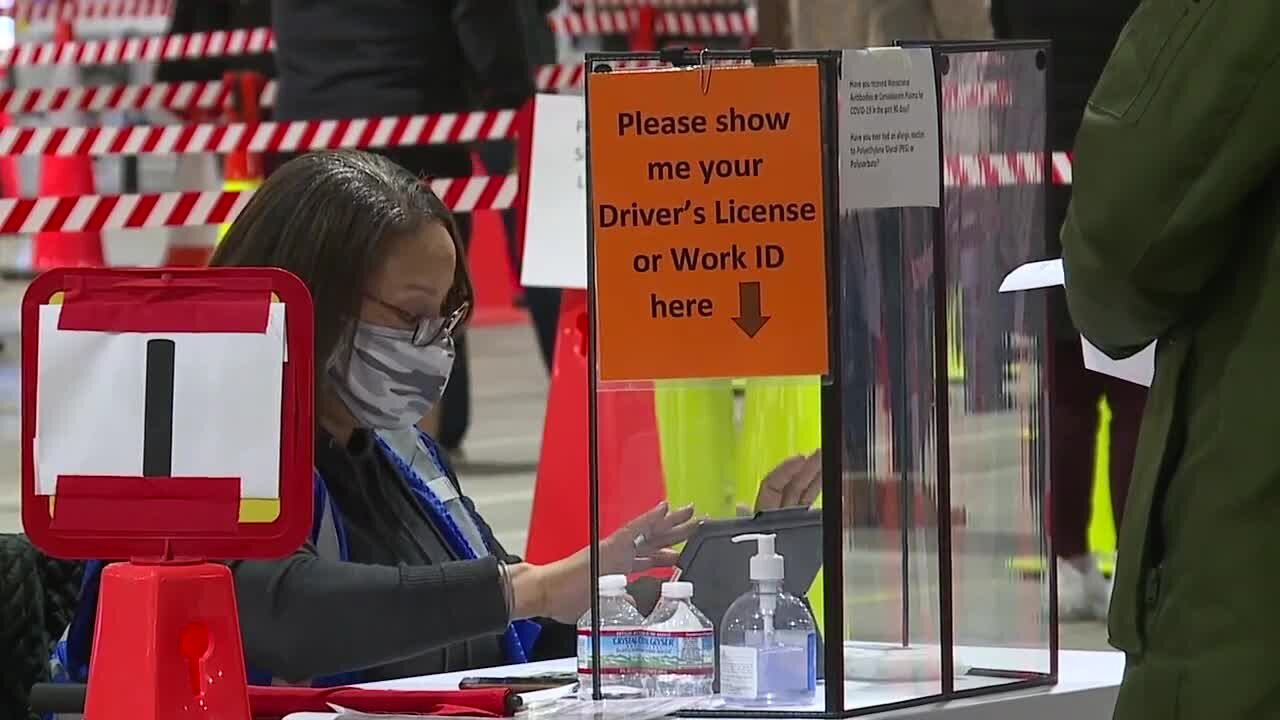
749,316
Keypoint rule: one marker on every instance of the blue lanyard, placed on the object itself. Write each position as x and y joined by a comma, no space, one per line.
520,636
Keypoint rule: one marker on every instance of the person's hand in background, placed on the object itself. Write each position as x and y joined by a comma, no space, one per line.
795,482
562,590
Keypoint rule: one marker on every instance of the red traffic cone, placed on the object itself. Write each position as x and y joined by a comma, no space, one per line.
10,185
244,171
67,177
644,36
630,462
63,30
489,259
491,272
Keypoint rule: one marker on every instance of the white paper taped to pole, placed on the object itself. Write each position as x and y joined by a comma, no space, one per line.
1138,369
227,398
555,243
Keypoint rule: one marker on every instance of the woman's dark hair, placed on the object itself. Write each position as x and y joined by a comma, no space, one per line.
330,219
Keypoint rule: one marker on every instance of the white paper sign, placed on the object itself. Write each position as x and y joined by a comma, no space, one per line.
1139,369
1033,276
555,245
227,391
889,147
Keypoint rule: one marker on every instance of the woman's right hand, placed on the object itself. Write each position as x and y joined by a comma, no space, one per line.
562,590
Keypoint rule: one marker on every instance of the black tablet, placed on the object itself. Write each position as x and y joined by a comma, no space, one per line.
719,568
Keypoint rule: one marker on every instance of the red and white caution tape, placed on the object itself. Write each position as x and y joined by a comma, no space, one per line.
93,213
549,78
706,24
34,11
254,41
1061,168
1004,170
970,96
95,17
668,23
295,136
195,46
594,22
176,97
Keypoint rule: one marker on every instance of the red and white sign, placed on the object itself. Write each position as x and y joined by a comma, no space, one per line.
158,404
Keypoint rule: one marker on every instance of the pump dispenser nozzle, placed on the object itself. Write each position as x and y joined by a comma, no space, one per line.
766,565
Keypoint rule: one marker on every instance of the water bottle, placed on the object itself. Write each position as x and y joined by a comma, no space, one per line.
620,644
679,646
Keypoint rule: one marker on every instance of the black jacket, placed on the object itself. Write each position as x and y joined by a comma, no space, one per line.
398,57
191,16
37,597
539,38
1083,32
401,57
404,612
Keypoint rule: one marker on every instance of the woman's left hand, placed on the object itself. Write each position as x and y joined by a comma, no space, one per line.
562,590
647,541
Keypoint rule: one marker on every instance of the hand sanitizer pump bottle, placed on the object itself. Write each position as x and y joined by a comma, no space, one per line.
768,643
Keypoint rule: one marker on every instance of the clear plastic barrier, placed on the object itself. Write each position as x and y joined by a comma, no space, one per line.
930,423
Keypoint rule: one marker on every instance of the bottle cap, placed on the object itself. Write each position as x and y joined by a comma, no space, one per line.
613,584
677,590
766,565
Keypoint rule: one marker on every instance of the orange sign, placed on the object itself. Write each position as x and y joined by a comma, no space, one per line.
708,220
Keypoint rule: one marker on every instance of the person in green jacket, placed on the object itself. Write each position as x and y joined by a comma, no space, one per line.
1174,236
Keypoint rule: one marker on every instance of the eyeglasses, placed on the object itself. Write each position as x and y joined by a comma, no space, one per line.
428,330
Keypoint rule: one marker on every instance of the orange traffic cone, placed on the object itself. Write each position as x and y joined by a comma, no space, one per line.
67,177
630,463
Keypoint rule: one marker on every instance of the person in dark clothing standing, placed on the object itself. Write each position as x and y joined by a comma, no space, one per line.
1083,35
499,159
405,57
191,16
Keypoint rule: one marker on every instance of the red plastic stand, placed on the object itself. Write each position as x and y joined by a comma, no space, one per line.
167,645
630,457
167,642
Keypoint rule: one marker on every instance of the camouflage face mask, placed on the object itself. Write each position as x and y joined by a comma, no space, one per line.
391,383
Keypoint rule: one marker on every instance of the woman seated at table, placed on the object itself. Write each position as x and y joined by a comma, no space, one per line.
402,576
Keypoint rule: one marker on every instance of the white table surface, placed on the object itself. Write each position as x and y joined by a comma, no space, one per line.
1086,690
